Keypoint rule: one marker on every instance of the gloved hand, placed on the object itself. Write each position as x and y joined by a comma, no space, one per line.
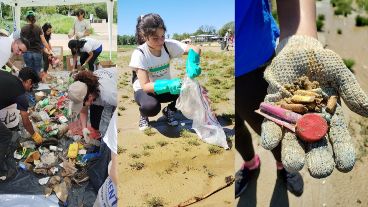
86,134
37,138
192,65
304,56
172,86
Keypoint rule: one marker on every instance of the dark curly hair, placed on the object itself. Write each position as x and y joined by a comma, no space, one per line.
147,25
91,80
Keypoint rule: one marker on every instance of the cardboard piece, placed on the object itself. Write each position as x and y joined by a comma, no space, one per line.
107,64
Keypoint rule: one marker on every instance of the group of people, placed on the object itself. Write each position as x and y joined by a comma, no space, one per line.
93,93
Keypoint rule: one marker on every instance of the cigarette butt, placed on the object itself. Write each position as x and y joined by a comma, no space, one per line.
302,99
299,108
306,93
331,104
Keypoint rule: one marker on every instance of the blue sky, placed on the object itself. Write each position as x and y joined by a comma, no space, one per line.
179,16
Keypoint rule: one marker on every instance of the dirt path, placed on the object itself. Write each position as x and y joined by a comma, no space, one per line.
339,189
166,168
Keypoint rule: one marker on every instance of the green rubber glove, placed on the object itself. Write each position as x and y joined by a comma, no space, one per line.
192,65
172,86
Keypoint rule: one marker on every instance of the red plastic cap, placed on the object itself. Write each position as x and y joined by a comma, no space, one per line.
311,127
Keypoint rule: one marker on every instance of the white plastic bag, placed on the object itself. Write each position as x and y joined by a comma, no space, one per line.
193,103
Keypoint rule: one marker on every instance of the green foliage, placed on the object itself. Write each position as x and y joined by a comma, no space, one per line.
361,21
349,63
126,40
342,7
101,12
229,25
205,29
321,17
362,4
320,25
181,36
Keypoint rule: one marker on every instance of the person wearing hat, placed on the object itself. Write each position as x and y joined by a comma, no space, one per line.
89,49
33,58
13,91
11,45
96,92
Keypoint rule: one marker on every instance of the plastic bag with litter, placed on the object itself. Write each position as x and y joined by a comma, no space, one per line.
194,104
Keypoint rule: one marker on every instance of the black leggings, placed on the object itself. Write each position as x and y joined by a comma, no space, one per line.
250,91
84,56
5,138
150,104
46,62
95,113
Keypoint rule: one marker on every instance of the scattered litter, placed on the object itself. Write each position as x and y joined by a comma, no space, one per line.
43,181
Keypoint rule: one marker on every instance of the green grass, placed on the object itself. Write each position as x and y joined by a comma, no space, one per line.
137,165
349,63
185,133
155,202
361,21
193,142
214,149
162,143
135,155
149,131
148,146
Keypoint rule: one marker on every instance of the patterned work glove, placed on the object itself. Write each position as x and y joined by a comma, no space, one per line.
299,56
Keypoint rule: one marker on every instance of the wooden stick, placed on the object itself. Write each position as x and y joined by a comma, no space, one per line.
229,180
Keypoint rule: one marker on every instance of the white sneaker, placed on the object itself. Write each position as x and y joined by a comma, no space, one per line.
143,123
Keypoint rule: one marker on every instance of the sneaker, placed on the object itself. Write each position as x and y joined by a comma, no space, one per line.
170,116
243,177
143,123
294,181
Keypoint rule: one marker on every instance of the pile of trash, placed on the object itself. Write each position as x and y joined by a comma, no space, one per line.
307,96
60,159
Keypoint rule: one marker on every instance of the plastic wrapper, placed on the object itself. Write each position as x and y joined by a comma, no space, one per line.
194,104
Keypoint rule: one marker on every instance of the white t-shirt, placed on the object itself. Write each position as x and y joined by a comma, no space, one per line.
108,80
90,45
80,27
157,67
111,135
5,50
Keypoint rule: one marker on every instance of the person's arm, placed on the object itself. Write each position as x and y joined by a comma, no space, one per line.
90,55
44,42
83,116
195,48
144,81
12,66
113,173
26,122
297,17
75,61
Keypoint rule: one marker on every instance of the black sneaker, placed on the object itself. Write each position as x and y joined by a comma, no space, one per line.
170,116
143,123
242,179
294,181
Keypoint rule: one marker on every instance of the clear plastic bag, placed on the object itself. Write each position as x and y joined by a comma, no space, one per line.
194,104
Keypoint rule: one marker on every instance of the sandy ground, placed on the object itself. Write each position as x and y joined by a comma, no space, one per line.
165,165
339,189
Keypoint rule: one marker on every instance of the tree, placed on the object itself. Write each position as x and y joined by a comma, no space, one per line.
227,26
205,29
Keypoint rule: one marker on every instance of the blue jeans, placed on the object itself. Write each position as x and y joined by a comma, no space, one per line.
33,60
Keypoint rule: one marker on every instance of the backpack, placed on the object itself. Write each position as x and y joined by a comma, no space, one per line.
134,74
